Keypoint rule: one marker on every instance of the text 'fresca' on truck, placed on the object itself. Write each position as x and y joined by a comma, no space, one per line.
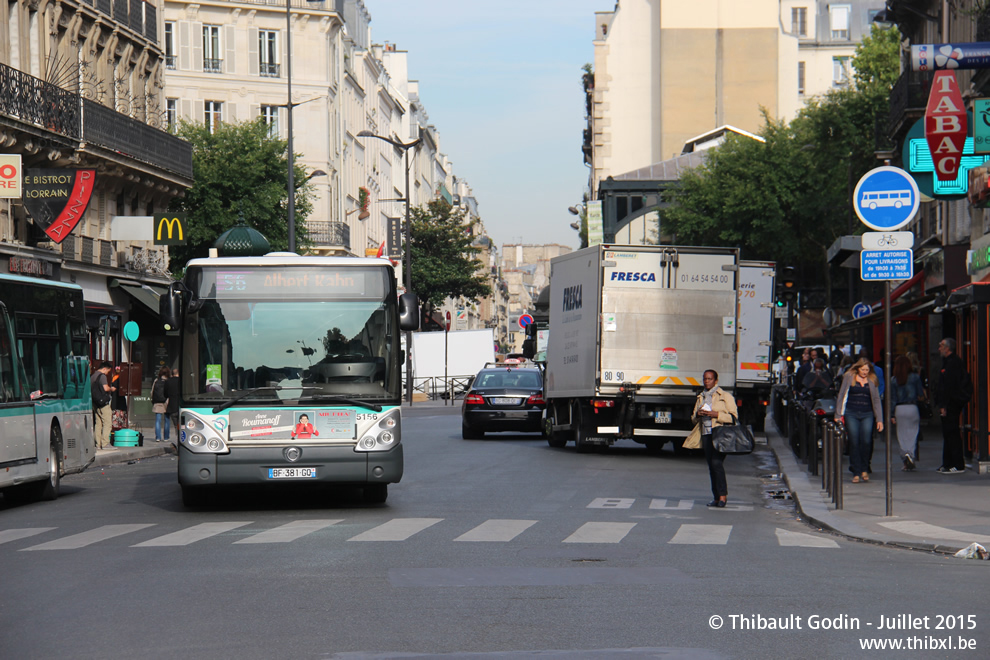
633,328
290,372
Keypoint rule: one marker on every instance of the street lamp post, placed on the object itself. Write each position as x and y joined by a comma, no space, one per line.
407,257
288,124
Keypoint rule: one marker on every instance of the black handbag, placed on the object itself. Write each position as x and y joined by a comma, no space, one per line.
732,439
924,409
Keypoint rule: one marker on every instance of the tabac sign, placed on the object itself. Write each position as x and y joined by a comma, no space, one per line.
945,125
57,199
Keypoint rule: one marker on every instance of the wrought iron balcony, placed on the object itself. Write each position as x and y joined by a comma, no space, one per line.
171,61
908,99
111,129
267,70
329,234
36,102
212,65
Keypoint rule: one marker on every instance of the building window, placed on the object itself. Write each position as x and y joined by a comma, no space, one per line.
800,77
169,45
171,114
799,21
268,53
212,62
838,17
214,115
269,113
840,70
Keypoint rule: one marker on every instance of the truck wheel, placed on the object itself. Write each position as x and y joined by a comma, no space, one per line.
580,431
555,439
654,446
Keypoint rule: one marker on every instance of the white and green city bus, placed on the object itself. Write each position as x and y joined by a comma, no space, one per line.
290,372
46,408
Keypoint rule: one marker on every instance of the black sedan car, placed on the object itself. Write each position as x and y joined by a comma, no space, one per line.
503,398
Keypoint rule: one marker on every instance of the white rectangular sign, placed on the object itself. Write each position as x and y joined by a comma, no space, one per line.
10,176
888,240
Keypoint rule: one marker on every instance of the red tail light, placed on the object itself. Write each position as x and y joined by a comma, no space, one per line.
474,400
536,400
602,403
820,412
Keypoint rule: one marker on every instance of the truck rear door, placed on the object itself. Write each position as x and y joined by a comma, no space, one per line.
756,285
667,315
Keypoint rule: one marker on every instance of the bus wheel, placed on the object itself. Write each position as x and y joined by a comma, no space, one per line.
195,496
50,487
376,493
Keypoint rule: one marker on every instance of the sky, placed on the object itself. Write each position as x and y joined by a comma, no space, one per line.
501,82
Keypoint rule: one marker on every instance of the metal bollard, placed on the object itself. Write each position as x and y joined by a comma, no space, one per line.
839,441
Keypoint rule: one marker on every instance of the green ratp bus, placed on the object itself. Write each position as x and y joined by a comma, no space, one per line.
46,408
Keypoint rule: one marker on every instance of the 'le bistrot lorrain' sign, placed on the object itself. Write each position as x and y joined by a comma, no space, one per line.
57,199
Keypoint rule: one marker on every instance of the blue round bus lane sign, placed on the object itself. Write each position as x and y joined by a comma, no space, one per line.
886,198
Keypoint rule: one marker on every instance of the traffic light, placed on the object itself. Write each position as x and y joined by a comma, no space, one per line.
788,286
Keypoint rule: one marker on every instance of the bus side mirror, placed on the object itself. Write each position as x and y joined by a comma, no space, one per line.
170,308
408,312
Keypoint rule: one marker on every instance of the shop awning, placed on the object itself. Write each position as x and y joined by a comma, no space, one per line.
145,294
897,311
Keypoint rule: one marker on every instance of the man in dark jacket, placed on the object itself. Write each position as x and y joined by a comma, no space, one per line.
949,400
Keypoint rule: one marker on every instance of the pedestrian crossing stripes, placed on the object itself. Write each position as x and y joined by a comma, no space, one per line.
398,530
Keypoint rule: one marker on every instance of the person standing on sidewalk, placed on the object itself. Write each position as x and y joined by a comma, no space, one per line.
949,399
158,398
172,401
859,406
102,393
906,395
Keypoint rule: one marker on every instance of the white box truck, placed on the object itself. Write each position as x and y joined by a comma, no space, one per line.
632,330
754,345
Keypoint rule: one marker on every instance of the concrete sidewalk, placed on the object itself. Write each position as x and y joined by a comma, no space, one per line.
929,511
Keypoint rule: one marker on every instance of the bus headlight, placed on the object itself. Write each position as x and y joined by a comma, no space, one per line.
384,435
203,436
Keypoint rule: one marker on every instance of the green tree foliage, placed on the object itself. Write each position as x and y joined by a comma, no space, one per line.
788,198
443,259
238,169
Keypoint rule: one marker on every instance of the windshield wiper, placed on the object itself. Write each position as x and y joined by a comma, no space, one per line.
344,399
243,395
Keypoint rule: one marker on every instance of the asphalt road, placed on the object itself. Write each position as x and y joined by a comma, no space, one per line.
495,548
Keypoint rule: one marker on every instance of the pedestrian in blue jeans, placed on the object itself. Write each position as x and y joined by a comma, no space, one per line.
859,408
159,398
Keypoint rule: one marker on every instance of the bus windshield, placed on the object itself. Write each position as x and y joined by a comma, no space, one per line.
330,347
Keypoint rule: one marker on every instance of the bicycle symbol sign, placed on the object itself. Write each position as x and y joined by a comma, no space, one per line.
886,199
888,240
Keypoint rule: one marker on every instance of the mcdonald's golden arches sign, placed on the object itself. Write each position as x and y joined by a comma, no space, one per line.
170,229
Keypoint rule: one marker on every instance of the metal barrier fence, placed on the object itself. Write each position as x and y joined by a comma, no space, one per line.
814,438
440,387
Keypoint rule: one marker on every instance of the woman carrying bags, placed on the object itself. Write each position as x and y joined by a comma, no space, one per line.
858,409
714,407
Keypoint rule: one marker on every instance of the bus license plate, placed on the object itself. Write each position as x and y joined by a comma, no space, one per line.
292,473
662,416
